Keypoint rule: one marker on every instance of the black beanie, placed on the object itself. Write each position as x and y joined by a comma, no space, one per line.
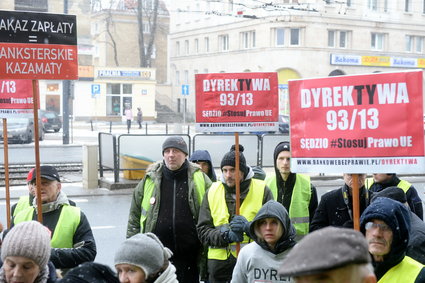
283,146
229,159
392,192
175,142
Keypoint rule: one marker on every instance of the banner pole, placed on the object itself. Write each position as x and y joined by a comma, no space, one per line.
237,183
6,171
355,201
37,150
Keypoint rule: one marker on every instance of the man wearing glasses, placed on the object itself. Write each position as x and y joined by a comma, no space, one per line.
386,225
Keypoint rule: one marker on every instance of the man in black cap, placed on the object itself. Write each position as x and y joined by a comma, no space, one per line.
331,255
382,181
293,190
72,238
166,202
218,226
416,245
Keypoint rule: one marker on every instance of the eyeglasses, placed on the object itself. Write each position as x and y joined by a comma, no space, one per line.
382,227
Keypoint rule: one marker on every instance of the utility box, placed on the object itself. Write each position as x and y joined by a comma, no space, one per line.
90,167
141,163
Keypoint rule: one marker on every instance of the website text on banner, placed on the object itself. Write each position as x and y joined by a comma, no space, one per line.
38,46
16,98
236,102
358,124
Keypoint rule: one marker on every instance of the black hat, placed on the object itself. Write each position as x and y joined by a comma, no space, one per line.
175,142
47,172
283,146
90,272
393,192
325,249
229,159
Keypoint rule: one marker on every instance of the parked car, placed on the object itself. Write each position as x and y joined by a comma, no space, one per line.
21,130
283,123
51,121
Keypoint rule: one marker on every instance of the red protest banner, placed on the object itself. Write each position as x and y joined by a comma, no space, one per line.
362,123
236,102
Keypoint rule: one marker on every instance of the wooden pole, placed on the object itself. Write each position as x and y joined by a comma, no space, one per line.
6,171
37,150
237,183
355,201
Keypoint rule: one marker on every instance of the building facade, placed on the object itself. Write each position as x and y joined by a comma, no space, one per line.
297,39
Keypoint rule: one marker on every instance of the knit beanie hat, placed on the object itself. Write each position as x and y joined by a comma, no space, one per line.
229,159
28,239
283,146
144,251
175,142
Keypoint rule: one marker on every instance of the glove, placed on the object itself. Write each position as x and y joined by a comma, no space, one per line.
234,236
239,224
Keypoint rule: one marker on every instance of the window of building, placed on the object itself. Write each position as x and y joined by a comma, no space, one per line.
223,42
338,38
377,41
372,5
414,43
177,48
177,77
118,96
196,46
419,44
408,5
295,36
186,47
280,36
248,39
409,43
186,77
31,5
207,44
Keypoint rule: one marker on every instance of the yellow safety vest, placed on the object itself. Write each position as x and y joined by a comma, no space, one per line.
23,203
300,200
149,186
68,222
220,213
404,185
406,271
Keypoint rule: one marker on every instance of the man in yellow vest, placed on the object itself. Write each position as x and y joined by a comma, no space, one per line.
218,226
26,200
382,181
386,224
293,190
72,238
166,202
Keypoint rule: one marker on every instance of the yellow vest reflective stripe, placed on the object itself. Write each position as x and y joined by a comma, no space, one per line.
406,271
404,185
68,222
220,214
300,200
149,186
23,203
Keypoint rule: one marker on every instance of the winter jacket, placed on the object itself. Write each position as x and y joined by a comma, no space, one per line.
305,202
213,237
397,216
333,210
413,199
256,261
84,245
204,155
416,245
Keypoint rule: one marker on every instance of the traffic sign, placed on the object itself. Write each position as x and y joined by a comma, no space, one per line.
185,89
95,89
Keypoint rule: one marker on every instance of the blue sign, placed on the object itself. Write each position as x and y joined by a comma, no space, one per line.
185,89
95,89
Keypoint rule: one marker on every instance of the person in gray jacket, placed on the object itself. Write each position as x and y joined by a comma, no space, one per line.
167,202
274,236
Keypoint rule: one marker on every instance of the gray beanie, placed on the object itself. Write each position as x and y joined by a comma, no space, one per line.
145,251
175,142
28,239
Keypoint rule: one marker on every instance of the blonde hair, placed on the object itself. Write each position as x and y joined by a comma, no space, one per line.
257,224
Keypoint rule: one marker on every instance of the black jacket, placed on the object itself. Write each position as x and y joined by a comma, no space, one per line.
397,216
413,199
416,245
333,210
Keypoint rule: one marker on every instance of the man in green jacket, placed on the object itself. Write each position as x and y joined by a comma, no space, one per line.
166,202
